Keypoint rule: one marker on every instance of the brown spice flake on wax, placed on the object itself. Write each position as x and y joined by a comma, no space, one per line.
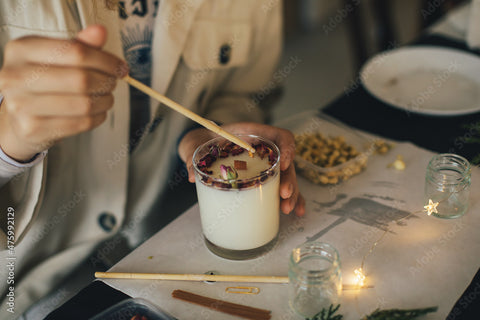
240,165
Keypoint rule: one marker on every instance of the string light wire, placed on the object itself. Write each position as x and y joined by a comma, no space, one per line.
360,275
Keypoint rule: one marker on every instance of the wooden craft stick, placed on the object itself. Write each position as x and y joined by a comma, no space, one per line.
223,306
205,277
190,277
210,125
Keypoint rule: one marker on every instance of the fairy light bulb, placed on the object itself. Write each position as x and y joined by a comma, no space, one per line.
359,277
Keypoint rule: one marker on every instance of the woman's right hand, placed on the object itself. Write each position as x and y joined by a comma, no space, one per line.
54,88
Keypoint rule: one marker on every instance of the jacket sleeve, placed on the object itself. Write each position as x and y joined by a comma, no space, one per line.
21,197
243,95
9,168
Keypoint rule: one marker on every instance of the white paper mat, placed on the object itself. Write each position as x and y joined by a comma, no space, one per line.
425,262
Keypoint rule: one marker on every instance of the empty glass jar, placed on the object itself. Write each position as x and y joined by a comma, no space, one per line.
315,280
447,182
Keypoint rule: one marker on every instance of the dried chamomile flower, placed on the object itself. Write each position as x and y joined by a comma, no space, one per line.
381,146
398,164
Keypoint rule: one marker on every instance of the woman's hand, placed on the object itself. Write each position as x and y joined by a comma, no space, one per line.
289,192
54,88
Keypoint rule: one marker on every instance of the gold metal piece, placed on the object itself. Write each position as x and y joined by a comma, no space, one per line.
242,290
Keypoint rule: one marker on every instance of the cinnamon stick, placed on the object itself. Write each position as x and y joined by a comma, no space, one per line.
223,306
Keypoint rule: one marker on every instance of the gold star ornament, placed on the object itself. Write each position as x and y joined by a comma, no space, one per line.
431,207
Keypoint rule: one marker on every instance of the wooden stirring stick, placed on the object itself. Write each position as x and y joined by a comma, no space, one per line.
210,125
190,277
205,277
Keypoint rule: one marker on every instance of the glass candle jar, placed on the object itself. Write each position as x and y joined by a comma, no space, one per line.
447,183
315,280
238,196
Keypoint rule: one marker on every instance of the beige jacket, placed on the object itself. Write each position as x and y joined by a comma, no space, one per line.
59,204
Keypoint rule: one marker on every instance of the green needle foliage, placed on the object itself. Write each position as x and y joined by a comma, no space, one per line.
472,137
390,314
397,314
328,314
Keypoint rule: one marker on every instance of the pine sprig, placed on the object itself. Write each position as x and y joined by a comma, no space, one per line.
476,160
398,314
390,314
474,126
473,138
328,314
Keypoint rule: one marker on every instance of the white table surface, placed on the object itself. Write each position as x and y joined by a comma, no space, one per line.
425,262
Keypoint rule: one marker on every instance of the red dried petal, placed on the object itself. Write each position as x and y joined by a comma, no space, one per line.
229,147
222,185
214,151
206,161
223,154
261,149
272,157
237,151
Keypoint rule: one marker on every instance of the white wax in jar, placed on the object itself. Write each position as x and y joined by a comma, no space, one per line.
240,219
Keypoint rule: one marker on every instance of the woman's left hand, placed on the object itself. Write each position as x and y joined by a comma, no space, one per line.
291,199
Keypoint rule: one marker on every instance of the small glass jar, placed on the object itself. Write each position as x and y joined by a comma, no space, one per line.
447,182
315,280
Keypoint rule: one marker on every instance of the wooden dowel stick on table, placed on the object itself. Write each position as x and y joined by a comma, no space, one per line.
210,125
190,277
205,277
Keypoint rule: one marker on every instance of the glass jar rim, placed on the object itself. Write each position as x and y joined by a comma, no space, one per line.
246,180
315,247
456,160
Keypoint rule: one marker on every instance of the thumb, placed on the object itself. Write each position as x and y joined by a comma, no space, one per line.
93,35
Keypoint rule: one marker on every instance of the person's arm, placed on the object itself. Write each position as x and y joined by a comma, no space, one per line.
72,95
9,167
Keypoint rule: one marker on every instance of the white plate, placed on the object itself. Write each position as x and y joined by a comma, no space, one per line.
424,79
